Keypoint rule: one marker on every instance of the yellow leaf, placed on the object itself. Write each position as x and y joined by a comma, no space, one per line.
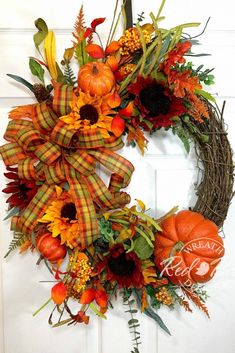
50,49
125,234
106,216
148,27
141,205
58,190
68,54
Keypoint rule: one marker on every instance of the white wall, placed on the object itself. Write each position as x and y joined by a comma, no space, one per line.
154,182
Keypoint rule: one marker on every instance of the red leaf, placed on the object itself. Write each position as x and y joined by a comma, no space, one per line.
38,61
88,32
96,22
95,51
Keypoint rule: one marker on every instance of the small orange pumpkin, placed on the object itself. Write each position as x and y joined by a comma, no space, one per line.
188,248
50,248
96,78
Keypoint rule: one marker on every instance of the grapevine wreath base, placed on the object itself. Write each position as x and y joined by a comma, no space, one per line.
93,244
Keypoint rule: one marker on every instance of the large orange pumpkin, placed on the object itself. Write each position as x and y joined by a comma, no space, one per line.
188,248
96,78
51,248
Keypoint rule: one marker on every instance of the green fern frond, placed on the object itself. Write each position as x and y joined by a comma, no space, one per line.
69,75
18,240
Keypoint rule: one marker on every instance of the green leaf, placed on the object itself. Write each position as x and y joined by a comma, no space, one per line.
132,321
185,141
39,37
36,69
131,311
142,248
183,135
144,235
60,77
204,138
23,81
206,95
81,54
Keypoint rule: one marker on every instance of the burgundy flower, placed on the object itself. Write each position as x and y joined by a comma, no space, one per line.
22,190
122,267
156,104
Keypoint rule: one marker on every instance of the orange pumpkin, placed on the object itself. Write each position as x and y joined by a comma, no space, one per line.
188,248
96,78
50,248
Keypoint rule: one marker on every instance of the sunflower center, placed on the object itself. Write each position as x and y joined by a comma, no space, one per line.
121,266
68,211
23,191
89,112
154,99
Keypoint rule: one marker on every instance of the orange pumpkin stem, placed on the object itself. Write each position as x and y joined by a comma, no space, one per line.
95,70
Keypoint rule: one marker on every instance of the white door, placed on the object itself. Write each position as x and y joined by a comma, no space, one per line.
163,178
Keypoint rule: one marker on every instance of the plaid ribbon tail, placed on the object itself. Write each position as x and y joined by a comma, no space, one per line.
35,210
121,168
88,225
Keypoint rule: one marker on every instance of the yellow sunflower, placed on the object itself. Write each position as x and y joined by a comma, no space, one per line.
89,113
61,218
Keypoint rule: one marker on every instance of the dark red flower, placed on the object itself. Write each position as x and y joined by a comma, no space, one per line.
122,267
22,190
156,104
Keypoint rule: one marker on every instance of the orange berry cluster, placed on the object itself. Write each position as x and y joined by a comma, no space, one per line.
127,69
81,270
164,297
130,41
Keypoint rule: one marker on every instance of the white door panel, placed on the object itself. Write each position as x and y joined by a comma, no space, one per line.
163,178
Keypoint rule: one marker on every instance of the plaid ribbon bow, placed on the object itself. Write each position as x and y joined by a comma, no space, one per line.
46,151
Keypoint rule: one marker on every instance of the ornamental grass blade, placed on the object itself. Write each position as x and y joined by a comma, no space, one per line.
22,80
14,211
63,322
148,219
150,313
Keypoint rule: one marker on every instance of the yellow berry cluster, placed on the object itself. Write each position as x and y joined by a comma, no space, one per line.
164,297
130,41
81,272
127,69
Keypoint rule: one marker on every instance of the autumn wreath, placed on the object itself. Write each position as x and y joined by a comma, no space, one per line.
92,243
